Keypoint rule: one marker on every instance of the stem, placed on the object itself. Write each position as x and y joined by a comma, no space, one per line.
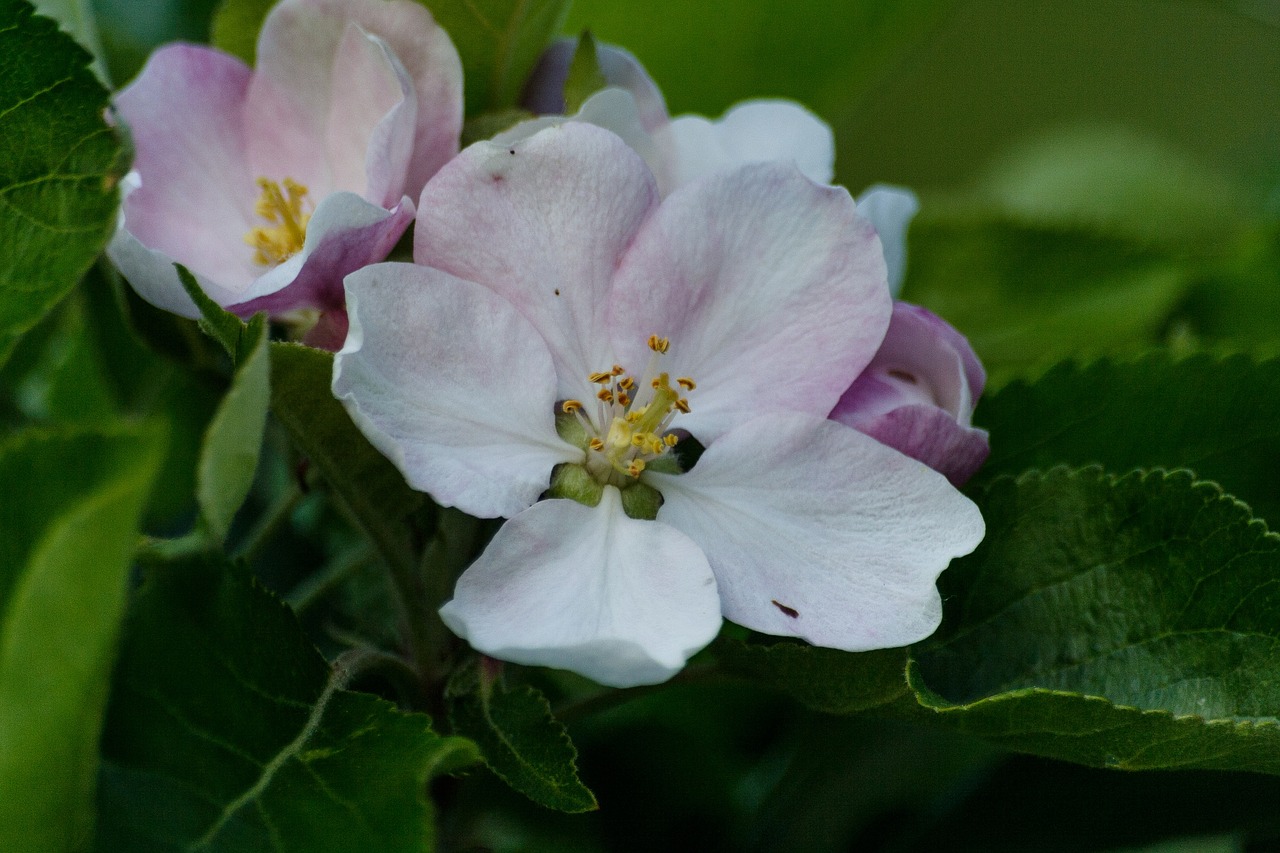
318,585
276,517
451,550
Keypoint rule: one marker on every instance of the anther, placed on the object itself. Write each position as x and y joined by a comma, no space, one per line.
686,383
682,404
658,344
605,394
570,406
600,378
596,443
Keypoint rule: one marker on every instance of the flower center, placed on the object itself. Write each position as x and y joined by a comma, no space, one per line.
630,429
281,205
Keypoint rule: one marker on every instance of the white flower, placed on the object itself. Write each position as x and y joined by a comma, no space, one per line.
560,319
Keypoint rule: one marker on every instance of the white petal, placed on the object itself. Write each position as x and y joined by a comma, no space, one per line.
891,210
769,286
453,385
817,531
753,131
621,601
544,223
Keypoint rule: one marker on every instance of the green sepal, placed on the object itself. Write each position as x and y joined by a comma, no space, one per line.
575,483
640,500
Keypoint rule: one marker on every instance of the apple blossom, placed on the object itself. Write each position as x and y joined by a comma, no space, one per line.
688,147
918,394
563,329
270,185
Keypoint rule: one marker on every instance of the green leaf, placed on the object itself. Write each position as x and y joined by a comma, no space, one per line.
227,731
77,18
499,42
235,27
1028,296
520,739
1129,622
69,522
1220,418
229,453
825,680
365,482
59,166
585,77
218,323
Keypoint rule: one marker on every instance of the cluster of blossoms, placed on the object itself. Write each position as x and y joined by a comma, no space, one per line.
592,298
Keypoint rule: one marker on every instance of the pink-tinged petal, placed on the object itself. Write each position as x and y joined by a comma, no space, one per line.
544,93
891,210
371,121
621,601
152,274
816,531
932,436
613,109
542,222
770,288
298,92
345,233
195,193
752,132
452,385
919,392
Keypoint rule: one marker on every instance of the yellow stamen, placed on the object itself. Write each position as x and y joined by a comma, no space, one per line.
686,383
281,205
600,378
658,344
635,466
597,443
571,406
670,440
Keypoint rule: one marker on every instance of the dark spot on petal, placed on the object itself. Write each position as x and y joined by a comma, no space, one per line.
557,291
511,151
904,376
790,611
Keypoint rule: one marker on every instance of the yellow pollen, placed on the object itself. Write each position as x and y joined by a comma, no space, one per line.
618,370
624,399
571,406
686,383
682,405
281,205
635,466
658,344
600,378
597,443
626,383
670,440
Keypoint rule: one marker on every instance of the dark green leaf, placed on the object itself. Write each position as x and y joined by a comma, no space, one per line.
69,522
77,18
1029,296
1220,418
236,24
585,77
218,323
1126,622
227,731
59,166
823,679
518,737
499,42
229,454
363,480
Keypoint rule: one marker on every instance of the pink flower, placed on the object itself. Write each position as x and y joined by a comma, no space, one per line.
918,395
270,185
565,329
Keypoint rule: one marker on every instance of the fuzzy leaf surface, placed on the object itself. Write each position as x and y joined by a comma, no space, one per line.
520,739
1119,621
59,168
227,731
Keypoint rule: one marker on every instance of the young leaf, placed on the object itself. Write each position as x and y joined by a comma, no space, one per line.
1128,622
1218,417
69,513
218,323
825,680
229,453
59,166
228,731
1028,296
362,478
520,740
585,77
499,42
